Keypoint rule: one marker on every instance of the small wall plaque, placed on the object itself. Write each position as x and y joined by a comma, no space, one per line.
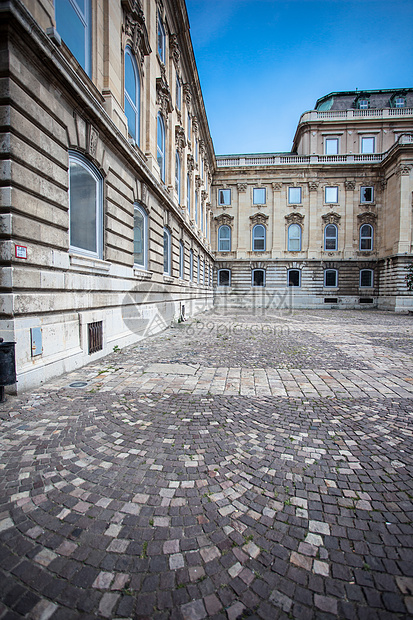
21,251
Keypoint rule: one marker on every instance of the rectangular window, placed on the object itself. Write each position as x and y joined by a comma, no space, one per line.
181,260
224,197
258,277
331,146
366,278
294,277
368,145
366,194
224,277
259,196
294,195
178,93
161,39
189,127
330,278
73,22
331,195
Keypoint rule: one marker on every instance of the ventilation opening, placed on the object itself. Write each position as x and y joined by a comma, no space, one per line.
366,300
95,336
330,300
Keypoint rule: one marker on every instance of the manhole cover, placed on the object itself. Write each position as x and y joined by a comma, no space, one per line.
78,384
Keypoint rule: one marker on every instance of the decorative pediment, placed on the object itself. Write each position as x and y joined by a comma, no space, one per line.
367,218
180,138
134,27
313,186
224,218
163,94
350,185
174,49
331,218
259,218
294,218
242,187
277,187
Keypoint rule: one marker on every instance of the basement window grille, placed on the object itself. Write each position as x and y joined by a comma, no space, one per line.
330,300
95,336
366,300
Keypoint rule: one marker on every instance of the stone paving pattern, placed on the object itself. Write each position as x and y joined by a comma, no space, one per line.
231,467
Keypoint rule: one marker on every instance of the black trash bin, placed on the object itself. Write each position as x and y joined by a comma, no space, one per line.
7,366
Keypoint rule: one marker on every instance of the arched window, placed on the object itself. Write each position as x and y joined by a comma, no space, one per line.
330,237
258,238
181,259
74,24
140,237
294,238
258,277
166,252
161,146
294,277
85,206
366,237
178,176
224,277
224,238
132,95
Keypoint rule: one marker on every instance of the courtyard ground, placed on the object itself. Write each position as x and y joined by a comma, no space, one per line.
233,466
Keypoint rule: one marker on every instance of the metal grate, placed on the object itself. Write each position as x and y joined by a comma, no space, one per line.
330,300
366,300
95,336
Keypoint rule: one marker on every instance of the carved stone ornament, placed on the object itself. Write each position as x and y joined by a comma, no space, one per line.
198,181
163,94
383,184
224,218
188,94
403,170
93,141
313,186
190,163
367,218
242,187
201,145
259,218
331,218
195,125
180,139
144,194
277,187
174,49
134,27
294,218
350,185
204,194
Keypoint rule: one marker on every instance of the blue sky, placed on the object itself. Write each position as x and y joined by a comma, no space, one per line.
262,63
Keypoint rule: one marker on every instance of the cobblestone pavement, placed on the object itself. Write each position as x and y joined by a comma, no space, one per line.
232,467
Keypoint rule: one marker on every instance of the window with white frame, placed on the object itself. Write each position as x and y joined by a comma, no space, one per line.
331,195
366,278
178,176
203,272
167,267
196,150
331,146
258,238
85,206
189,126
74,24
331,237
181,259
330,278
363,104
202,216
366,237
368,144
399,102
224,238
294,277
161,146
294,195
259,196
198,269
294,238
196,207
140,237
224,197
224,277
132,95
161,39
178,94
366,194
188,193
191,265
258,277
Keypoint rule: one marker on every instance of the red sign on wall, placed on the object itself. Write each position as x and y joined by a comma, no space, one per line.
21,251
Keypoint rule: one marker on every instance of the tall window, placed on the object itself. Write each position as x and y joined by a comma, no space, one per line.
294,277
366,194
161,146
258,277
224,197
224,277
366,278
191,265
198,269
258,196
196,207
178,93
189,126
178,176
73,22
294,238
85,206
294,195
224,238
366,237
363,104
331,146
161,39
258,238
368,145
166,252
331,278
331,237
202,217
181,260
188,193
331,195
140,237
132,95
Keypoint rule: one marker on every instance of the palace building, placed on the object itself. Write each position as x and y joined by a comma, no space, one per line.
117,217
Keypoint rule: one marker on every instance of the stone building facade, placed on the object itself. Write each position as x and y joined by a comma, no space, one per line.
329,224
116,216
107,166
